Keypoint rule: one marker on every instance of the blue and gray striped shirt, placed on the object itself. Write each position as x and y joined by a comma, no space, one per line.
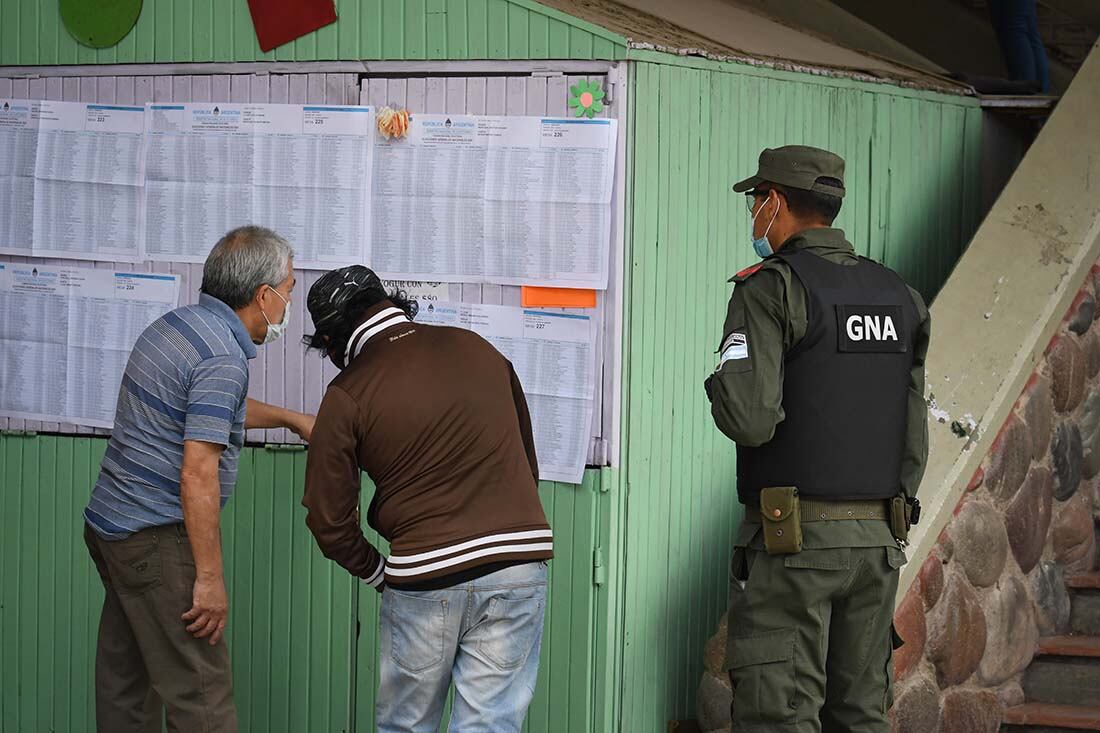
187,379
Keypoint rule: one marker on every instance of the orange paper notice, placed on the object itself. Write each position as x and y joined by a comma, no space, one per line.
558,298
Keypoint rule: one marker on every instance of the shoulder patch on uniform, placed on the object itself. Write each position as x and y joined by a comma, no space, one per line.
746,273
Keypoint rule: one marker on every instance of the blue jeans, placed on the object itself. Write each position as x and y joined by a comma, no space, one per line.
485,635
1016,23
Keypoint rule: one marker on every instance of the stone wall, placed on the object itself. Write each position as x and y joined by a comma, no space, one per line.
995,581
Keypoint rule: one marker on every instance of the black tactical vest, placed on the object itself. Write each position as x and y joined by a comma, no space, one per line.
845,388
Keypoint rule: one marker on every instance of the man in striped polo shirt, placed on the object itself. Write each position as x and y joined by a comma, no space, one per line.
152,524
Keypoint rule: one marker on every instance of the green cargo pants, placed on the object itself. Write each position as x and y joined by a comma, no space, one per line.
811,639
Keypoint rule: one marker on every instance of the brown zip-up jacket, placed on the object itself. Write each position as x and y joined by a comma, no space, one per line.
437,418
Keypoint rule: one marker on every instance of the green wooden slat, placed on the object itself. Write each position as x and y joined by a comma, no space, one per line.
538,36
946,210
606,669
415,31
66,46
677,255
27,600
264,659
88,590
497,29
183,30
202,39
518,29
163,29
28,28
282,691
238,552
582,606
691,398
972,155
349,16
716,194
477,29
44,597
540,710
878,178
6,551
393,31
603,48
221,30
367,645
10,466
580,44
300,564
860,142
457,22
49,26
559,39
647,107
370,32
558,628
244,45
436,29
83,54
10,45
694,601
323,44
303,47
61,632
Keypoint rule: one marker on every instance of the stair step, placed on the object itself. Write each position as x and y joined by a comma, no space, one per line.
1066,717
1065,672
1084,616
1070,646
1084,581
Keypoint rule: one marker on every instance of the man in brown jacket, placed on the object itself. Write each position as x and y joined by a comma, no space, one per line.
437,418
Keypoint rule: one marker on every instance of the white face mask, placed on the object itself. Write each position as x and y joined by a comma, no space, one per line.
276,330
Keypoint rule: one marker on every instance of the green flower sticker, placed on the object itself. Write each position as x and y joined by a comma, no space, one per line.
587,98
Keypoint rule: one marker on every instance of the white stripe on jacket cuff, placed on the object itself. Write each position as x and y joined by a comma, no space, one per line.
378,575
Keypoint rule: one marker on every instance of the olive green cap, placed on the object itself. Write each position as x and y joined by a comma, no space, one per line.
797,166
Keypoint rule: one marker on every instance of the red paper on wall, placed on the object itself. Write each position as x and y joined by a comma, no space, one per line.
281,21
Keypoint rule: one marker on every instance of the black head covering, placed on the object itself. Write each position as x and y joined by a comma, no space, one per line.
329,296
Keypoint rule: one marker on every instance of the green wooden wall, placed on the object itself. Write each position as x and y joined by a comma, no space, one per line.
298,665
32,33
697,127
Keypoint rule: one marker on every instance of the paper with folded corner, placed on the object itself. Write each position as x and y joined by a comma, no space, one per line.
302,170
554,357
66,334
71,180
482,199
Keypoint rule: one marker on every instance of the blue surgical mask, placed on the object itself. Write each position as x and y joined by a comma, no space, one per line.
762,246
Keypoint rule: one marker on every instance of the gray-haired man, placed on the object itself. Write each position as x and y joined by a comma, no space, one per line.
152,524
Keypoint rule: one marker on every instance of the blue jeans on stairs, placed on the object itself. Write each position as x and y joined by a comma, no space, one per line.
1016,23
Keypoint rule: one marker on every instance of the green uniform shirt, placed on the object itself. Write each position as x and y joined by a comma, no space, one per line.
769,306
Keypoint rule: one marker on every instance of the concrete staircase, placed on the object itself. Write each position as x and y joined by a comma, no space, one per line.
1062,684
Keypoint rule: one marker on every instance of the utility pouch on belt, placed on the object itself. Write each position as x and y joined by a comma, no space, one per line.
900,518
781,520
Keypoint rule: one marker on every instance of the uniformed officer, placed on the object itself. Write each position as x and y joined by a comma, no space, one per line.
821,385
